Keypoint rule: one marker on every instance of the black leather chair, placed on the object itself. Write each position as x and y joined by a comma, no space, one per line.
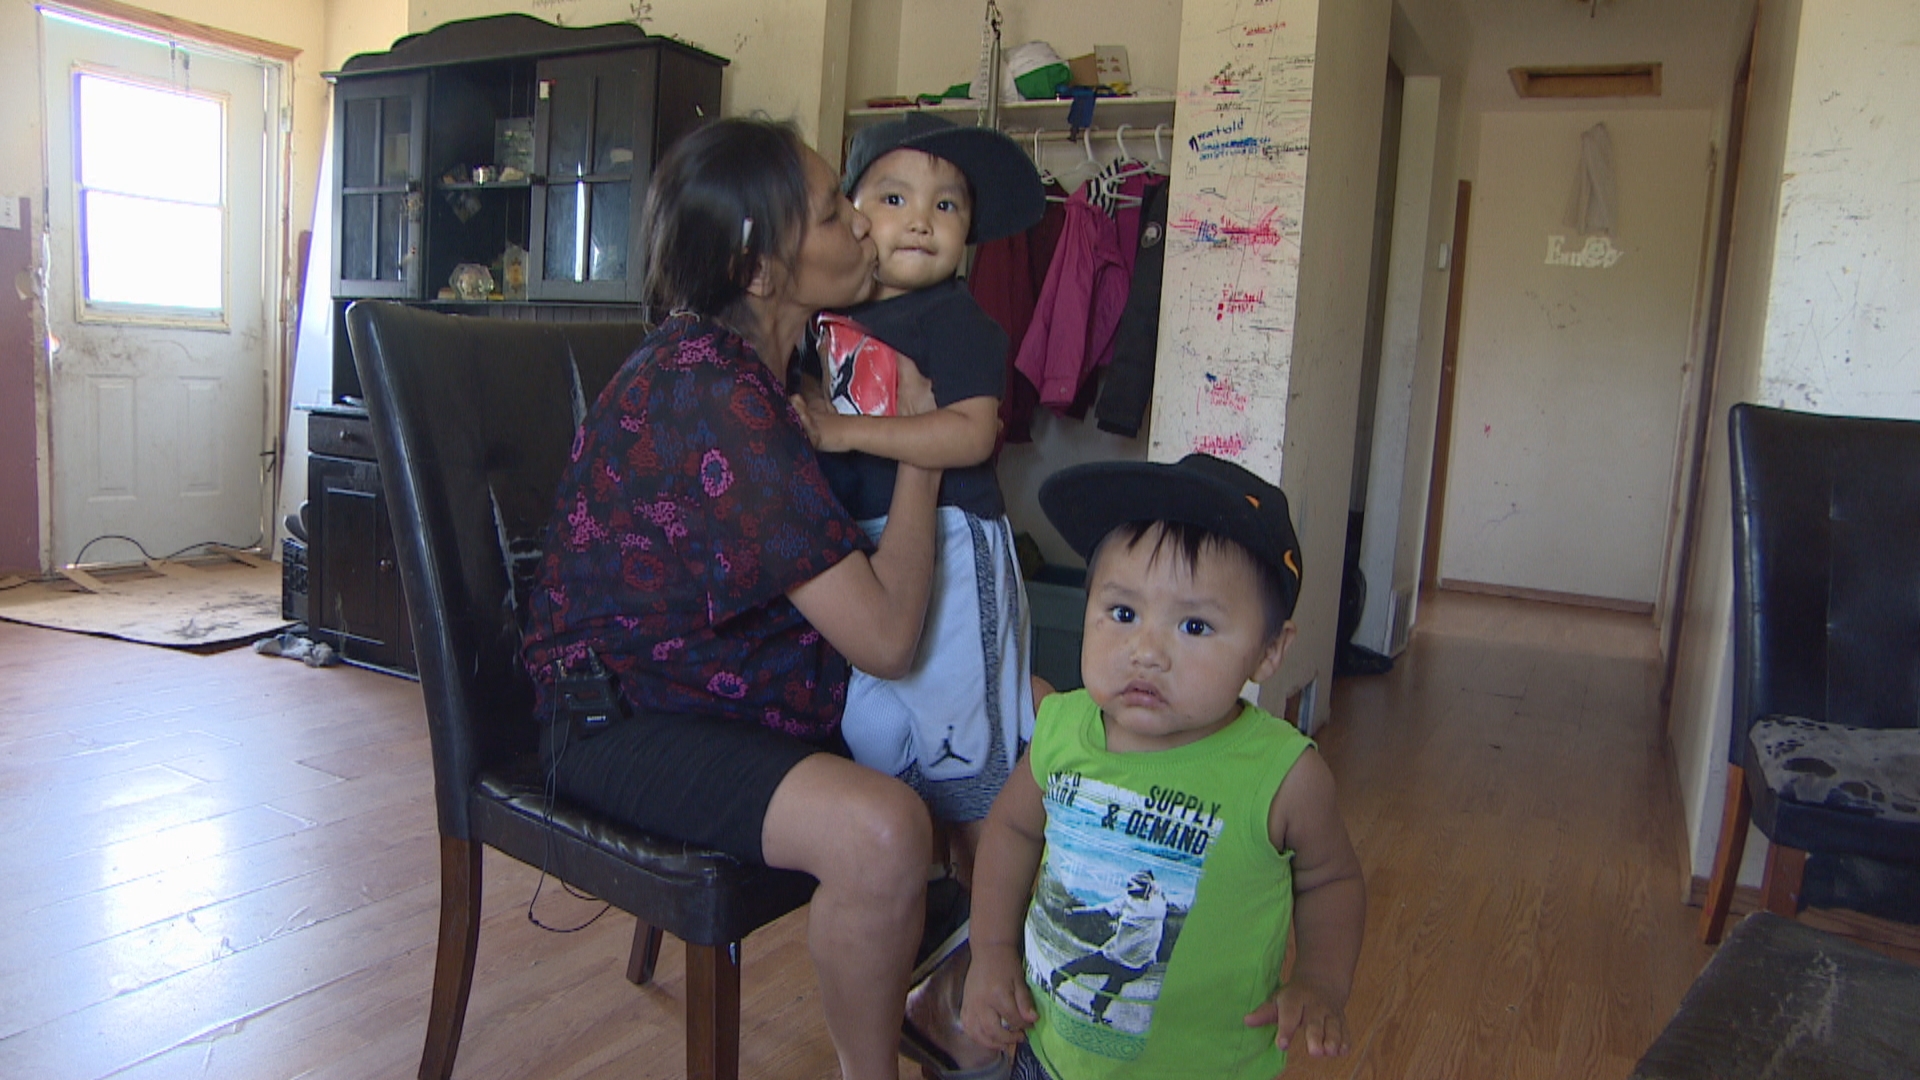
1825,745
473,420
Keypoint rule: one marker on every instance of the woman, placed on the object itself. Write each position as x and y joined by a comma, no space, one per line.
698,554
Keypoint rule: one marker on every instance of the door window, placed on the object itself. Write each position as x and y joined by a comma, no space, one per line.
149,181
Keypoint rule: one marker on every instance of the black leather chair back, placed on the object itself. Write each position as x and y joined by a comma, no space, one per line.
473,420
1826,517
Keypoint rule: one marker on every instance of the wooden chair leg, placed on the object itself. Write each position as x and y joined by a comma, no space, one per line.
1726,861
1780,885
454,956
646,952
713,1011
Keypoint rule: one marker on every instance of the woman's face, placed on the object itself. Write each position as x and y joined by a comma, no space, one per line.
834,266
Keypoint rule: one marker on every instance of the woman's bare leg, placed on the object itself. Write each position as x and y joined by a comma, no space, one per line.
866,837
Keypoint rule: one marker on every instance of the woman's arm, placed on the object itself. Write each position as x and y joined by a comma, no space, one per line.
958,435
872,607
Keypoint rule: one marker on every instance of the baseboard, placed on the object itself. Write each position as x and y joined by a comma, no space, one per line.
1900,938
1632,607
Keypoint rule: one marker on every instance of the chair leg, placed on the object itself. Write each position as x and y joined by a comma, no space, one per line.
453,958
1726,861
646,952
713,1011
1780,885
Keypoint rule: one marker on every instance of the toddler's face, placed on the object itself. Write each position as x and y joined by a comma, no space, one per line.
921,213
1166,651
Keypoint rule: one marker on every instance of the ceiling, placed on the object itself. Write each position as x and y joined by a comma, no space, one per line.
1697,42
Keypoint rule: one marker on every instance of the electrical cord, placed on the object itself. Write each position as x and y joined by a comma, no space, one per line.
559,738
80,557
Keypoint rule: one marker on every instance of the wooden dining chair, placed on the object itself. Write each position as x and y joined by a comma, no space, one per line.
473,419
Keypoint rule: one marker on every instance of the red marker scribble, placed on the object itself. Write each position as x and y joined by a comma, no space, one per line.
1220,445
1237,302
1221,393
1227,231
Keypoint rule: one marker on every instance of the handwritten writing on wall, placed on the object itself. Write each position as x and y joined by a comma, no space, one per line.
1234,211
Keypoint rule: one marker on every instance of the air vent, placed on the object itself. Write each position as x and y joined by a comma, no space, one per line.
1600,81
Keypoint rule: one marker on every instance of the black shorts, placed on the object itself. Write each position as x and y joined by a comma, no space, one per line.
704,780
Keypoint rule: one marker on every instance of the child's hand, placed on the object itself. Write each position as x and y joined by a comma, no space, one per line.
1304,1010
998,1008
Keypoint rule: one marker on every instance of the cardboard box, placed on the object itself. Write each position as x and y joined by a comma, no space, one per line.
1105,66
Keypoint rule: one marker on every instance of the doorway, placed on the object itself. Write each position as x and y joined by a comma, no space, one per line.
165,167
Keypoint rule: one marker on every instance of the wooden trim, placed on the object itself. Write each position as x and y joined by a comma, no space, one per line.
128,15
646,952
1896,938
1632,607
1587,81
1705,398
713,1011
453,958
1449,362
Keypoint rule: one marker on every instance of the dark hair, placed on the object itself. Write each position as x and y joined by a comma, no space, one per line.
1187,541
700,251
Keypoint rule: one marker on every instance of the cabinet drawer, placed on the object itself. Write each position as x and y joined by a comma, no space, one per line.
340,436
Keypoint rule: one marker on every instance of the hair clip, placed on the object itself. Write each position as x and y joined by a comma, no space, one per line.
746,234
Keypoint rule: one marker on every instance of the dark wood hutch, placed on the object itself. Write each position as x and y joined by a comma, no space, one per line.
506,143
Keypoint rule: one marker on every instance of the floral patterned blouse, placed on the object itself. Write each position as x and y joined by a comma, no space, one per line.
693,502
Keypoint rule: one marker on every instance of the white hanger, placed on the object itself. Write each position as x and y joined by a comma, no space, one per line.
1046,174
1160,163
1081,171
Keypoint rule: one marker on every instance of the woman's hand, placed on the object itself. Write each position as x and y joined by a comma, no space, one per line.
826,429
998,1007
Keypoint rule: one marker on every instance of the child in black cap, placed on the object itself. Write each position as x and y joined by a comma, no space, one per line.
1175,831
954,726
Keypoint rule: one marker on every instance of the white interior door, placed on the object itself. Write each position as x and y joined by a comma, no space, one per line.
161,174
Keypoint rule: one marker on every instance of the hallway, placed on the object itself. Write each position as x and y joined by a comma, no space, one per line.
225,866
1511,797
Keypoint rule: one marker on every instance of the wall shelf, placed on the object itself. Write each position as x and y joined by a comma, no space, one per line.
1017,117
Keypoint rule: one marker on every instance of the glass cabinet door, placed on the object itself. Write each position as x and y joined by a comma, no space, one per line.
593,135
379,164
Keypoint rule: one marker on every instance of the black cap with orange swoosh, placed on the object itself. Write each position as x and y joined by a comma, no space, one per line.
1086,502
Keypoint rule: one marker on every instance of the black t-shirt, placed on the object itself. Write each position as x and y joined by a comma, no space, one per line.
943,330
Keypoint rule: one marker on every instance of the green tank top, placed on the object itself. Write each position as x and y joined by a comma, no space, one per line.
1161,913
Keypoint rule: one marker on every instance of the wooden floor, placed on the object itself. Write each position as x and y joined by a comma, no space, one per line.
224,866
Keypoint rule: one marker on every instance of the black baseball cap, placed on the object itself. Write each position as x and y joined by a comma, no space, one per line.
1007,196
1086,502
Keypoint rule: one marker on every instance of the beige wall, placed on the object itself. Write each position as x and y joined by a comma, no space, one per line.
915,46
788,56
357,26
1323,392
1570,378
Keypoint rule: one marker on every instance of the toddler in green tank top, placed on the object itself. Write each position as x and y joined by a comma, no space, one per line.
1140,871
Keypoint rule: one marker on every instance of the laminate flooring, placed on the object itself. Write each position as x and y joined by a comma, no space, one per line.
224,865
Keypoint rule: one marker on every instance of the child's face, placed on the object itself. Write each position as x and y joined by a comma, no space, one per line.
1166,651
920,211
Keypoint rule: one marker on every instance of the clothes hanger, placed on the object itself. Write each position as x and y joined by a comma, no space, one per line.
1046,175
1081,171
1161,163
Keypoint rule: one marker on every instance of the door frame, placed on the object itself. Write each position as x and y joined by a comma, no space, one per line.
277,285
1443,416
1691,498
